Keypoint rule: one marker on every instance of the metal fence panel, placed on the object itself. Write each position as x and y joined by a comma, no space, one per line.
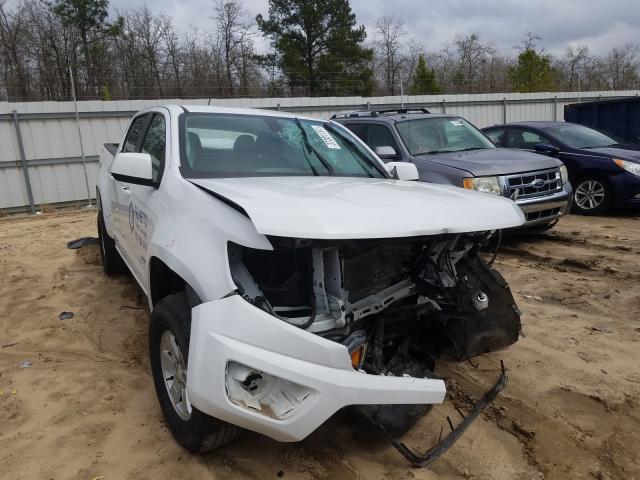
53,154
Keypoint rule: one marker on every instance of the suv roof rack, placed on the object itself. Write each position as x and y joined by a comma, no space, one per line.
380,112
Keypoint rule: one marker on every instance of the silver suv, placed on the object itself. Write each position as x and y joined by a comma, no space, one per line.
448,149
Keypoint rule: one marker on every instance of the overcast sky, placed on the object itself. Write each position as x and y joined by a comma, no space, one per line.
599,24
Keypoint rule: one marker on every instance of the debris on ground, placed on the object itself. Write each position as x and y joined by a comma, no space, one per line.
81,242
65,315
25,363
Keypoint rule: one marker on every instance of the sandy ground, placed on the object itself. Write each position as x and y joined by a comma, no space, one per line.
86,408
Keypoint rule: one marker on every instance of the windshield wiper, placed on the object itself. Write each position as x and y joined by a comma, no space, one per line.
363,160
471,148
311,149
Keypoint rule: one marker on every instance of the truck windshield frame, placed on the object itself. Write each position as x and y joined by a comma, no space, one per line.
429,136
231,145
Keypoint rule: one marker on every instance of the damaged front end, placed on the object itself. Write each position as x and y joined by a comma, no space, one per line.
395,305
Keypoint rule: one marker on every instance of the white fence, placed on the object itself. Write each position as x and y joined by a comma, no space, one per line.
41,155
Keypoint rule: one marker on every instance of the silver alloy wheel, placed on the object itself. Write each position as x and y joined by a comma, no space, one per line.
174,373
589,194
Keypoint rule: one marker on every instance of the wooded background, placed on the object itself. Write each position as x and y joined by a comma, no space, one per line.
315,48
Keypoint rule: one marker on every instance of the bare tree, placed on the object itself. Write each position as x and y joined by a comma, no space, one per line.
473,56
13,34
235,35
388,46
621,67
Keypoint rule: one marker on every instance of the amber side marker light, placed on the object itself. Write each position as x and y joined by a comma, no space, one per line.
468,183
357,356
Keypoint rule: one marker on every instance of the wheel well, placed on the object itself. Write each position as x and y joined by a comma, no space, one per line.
591,175
163,281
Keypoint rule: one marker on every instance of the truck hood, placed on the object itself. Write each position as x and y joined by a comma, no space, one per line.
355,208
493,161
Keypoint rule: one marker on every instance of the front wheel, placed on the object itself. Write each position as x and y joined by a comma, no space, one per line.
169,333
591,197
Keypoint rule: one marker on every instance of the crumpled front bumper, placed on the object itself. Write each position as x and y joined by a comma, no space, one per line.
231,331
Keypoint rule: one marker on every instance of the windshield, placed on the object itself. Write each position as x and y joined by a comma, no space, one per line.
441,134
230,145
578,136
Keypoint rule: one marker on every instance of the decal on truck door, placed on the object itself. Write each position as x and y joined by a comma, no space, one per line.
138,223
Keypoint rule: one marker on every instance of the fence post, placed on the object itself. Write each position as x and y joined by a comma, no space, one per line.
84,159
504,110
444,106
555,108
23,160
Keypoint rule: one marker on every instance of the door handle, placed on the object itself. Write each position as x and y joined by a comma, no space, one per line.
125,187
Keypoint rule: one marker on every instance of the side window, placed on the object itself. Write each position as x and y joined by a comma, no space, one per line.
154,144
359,129
498,136
381,136
525,139
131,140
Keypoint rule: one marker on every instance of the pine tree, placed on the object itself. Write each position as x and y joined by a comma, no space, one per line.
424,80
532,72
319,46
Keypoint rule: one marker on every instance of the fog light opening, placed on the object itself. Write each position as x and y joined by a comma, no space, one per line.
266,394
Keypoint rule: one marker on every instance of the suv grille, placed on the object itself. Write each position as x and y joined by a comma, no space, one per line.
534,184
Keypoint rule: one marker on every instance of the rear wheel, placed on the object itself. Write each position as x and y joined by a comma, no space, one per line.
591,197
169,333
112,262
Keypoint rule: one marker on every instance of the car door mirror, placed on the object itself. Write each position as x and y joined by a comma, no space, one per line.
136,168
402,170
386,152
546,149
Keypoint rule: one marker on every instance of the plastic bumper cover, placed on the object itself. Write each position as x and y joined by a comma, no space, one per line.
539,210
231,331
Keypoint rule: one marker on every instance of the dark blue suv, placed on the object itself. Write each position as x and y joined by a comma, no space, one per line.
604,170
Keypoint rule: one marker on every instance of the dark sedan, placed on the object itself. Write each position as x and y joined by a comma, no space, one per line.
604,171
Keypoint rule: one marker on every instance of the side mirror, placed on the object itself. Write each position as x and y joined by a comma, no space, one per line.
386,152
133,168
403,170
546,149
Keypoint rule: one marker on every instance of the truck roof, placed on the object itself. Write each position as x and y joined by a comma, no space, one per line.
194,108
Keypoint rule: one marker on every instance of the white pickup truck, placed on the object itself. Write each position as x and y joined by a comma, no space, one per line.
290,273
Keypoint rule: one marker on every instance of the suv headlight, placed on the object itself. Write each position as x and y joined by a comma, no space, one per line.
564,174
483,184
630,167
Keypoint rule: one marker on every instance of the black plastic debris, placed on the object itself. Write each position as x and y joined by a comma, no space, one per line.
81,242
65,315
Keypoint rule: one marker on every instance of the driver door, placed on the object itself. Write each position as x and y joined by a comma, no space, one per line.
121,191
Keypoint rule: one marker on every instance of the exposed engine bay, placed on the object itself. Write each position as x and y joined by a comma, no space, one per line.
396,304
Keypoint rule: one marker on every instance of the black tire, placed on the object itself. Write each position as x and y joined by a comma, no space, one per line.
112,262
591,196
199,432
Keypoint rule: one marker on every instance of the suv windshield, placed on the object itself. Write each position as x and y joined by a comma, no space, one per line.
424,136
577,136
231,145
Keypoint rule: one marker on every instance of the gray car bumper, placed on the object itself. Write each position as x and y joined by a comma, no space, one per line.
546,209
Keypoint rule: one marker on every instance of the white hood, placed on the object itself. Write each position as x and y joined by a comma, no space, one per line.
352,208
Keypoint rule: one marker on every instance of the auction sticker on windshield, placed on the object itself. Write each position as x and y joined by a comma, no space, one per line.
326,137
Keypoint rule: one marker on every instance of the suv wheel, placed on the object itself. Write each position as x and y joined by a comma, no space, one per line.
591,197
169,333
